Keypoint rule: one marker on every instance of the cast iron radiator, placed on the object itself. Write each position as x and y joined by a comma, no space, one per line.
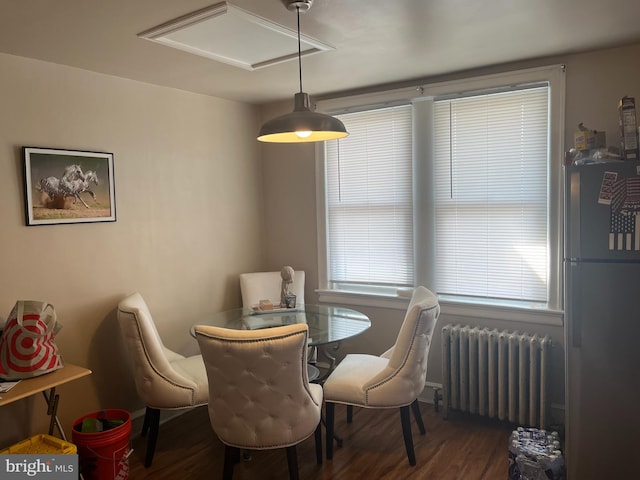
498,374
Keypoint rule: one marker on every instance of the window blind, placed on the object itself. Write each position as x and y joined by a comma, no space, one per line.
491,155
369,200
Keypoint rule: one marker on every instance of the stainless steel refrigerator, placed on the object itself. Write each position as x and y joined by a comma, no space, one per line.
602,321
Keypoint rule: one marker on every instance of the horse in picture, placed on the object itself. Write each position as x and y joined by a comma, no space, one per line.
72,183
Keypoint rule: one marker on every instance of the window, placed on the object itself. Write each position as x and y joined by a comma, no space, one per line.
369,201
456,187
491,159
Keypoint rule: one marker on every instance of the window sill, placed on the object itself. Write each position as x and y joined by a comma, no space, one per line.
361,299
513,311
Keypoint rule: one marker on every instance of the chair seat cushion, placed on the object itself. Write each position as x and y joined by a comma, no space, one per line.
316,393
171,355
346,383
193,369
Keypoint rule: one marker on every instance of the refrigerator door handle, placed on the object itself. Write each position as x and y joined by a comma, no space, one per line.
572,237
573,301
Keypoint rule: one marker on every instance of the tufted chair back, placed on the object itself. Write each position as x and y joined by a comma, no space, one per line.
408,356
259,393
164,379
266,286
394,379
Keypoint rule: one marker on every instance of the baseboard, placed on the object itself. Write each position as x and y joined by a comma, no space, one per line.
431,391
137,418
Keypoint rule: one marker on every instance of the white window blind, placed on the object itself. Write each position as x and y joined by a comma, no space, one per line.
369,200
491,156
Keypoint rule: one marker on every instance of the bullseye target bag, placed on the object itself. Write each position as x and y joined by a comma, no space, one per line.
27,347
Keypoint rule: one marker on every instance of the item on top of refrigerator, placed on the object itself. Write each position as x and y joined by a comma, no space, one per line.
586,139
606,154
535,455
571,155
628,128
601,155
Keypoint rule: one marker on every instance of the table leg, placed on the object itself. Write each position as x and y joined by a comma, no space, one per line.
331,359
52,410
332,365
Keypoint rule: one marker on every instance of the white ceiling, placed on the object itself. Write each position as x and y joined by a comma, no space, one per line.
376,41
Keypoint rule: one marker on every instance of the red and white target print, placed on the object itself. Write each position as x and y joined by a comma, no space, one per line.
28,348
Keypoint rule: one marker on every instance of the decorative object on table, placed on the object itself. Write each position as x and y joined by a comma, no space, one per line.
27,347
68,186
265,305
287,297
258,286
290,301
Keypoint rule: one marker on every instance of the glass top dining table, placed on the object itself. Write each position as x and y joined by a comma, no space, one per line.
327,324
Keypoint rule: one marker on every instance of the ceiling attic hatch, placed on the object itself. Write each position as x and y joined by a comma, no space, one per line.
226,33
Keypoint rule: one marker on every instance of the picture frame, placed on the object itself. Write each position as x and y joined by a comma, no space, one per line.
68,186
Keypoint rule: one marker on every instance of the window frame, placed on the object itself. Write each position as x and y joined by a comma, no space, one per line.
422,98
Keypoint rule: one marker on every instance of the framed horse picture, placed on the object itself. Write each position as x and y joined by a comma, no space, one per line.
68,186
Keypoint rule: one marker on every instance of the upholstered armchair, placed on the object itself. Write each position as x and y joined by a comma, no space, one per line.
393,380
164,379
259,394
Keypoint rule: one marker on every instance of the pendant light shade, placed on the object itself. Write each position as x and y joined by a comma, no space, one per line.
301,125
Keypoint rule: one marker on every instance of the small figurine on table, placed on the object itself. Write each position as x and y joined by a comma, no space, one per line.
287,297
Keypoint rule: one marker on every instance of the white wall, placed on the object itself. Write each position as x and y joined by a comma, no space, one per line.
188,181
595,82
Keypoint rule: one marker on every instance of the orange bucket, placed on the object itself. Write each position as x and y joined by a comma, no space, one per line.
104,455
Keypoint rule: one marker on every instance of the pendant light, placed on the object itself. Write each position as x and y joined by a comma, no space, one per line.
301,125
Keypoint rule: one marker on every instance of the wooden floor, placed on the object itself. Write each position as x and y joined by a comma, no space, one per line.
460,448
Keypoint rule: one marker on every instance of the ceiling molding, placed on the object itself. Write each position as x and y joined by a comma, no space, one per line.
229,34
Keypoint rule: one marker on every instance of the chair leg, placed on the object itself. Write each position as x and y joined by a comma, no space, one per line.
145,423
292,461
405,417
231,454
330,414
415,407
318,435
349,413
153,425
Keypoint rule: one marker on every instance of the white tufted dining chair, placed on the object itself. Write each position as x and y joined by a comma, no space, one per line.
259,394
394,379
258,286
266,286
165,380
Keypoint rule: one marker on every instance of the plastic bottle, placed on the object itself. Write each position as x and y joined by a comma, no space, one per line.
555,468
535,455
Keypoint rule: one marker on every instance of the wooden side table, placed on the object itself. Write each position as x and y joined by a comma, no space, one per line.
46,384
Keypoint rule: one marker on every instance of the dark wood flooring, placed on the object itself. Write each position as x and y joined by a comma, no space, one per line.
460,448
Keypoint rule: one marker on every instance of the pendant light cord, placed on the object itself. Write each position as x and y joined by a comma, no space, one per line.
299,50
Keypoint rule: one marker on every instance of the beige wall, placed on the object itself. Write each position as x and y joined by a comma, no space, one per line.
188,181
198,201
594,83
